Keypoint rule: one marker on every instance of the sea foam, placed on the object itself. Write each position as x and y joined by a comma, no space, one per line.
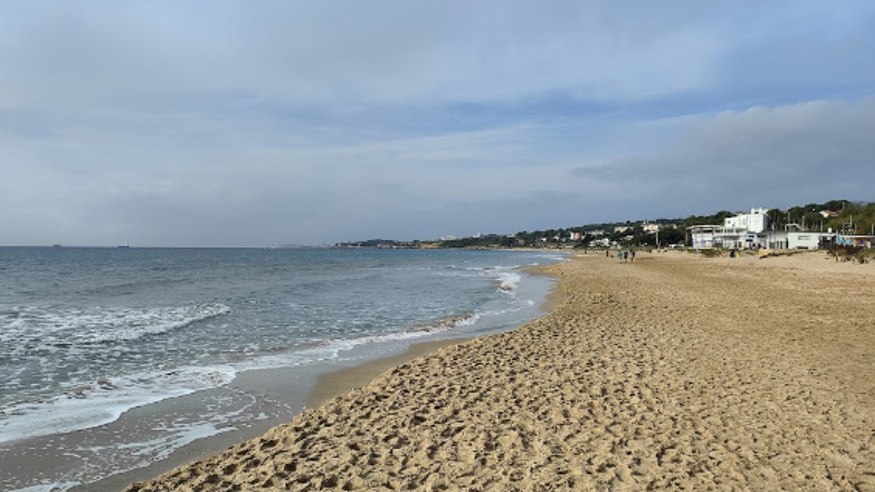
47,325
105,401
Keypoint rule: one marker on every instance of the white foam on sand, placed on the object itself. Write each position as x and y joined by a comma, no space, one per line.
48,487
105,401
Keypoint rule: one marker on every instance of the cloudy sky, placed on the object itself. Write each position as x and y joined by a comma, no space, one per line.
234,123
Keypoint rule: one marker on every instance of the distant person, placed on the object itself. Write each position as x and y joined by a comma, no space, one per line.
625,256
607,253
619,255
633,256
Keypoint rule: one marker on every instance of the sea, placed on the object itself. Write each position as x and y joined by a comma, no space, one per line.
119,359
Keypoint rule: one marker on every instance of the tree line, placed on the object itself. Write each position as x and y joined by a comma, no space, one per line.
851,217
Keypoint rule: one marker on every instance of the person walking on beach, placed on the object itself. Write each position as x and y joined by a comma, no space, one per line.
633,256
625,256
620,255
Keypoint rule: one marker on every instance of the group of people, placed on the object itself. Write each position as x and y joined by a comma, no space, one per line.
624,256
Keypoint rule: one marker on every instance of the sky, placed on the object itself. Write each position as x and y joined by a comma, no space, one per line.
233,123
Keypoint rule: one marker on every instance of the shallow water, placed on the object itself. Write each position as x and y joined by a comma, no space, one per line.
86,335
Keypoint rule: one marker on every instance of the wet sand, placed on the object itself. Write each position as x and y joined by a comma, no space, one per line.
673,372
278,395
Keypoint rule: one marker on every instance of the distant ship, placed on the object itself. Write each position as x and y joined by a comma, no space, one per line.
124,245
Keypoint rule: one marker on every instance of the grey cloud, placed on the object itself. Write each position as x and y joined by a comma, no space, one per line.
187,123
793,153
394,51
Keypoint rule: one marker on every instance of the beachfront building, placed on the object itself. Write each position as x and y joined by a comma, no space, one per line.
755,222
795,239
704,236
742,231
747,231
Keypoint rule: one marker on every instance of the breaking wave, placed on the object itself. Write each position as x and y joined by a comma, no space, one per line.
64,327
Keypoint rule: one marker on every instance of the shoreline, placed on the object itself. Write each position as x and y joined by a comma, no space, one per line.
265,398
332,384
672,372
327,384
335,383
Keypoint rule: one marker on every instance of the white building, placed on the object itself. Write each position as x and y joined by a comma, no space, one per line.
751,231
794,239
739,232
754,222
600,243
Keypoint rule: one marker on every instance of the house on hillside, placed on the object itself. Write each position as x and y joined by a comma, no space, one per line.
600,243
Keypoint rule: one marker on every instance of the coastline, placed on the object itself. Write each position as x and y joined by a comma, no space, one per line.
328,384
487,293
672,372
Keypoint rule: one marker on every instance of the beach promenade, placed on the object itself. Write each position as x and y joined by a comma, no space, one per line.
672,372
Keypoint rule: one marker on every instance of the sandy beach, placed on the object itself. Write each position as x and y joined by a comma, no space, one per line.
672,372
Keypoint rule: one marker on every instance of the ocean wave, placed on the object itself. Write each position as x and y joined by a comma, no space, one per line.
49,487
105,400
464,320
65,327
509,281
508,277
332,350
447,323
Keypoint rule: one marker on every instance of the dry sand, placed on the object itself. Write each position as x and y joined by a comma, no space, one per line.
673,372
